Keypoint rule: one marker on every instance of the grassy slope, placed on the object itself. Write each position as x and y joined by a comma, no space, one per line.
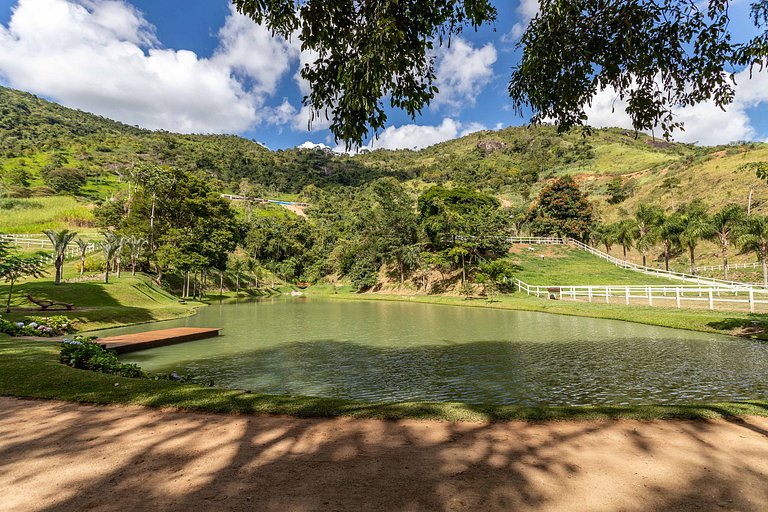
34,215
128,300
570,266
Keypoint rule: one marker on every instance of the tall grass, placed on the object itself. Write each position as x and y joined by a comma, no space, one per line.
34,215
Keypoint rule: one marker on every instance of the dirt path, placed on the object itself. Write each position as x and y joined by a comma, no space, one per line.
61,456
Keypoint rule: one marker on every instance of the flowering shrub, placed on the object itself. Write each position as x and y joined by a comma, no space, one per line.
37,326
84,353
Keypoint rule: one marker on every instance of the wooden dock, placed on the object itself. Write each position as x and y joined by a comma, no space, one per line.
152,339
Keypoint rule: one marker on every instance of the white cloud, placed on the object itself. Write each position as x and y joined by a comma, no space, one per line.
414,136
461,73
705,123
103,57
312,145
525,11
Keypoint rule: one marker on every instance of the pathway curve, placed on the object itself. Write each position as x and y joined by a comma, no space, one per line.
59,456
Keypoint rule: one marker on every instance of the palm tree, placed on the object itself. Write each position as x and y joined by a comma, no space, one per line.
753,237
83,246
669,235
237,265
60,240
723,225
135,245
626,233
111,245
607,235
696,226
648,219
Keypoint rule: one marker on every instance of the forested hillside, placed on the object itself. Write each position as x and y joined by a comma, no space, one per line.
47,149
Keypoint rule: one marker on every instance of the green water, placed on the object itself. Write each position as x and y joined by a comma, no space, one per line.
382,351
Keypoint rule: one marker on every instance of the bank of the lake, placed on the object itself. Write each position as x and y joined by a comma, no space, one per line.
30,369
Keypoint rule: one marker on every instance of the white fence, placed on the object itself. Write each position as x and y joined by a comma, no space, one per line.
72,251
679,295
680,276
731,266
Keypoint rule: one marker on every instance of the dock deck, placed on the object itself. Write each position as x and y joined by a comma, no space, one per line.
152,339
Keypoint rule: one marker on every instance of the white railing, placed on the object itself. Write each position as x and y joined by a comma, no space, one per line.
651,295
72,251
680,276
731,266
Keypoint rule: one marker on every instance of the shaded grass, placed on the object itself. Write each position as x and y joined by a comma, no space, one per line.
128,300
31,370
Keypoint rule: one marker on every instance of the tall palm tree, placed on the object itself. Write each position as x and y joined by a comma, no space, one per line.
648,219
696,227
83,247
723,225
753,237
607,235
237,265
111,245
60,240
626,234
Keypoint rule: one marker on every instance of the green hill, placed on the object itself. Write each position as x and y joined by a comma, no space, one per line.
39,139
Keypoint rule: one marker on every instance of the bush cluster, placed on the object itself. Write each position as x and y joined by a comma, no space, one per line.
84,353
37,326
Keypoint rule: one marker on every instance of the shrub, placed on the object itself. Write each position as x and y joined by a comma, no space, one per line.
37,326
65,179
85,354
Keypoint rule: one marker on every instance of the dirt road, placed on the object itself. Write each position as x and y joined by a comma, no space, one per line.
59,456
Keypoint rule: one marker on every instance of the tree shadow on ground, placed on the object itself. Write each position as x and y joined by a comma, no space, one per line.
61,457
755,325
92,301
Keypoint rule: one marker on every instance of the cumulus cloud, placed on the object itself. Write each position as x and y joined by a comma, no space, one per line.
525,11
104,57
462,71
414,136
705,123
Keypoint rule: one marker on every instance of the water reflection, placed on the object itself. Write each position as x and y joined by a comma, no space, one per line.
400,351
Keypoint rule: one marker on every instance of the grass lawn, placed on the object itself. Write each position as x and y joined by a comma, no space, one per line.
563,265
31,370
128,300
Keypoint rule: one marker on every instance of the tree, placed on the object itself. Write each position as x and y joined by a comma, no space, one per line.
237,266
696,227
657,54
13,268
495,275
723,226
136,245
626,234
648,219
753,237
562,210
82,247
111,245
59,240
607,235
669,234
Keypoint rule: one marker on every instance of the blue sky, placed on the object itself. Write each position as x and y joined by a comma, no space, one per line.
197,66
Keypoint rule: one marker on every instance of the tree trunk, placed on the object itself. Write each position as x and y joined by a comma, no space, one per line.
58,262
237,283
106,276
692,251
644,260
152,223
724,248
625,252
82,265
765,271
8,302
221,283
133,267
666,258
402,271
117,266
463,271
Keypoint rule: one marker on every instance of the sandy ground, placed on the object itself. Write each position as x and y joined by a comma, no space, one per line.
61,456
